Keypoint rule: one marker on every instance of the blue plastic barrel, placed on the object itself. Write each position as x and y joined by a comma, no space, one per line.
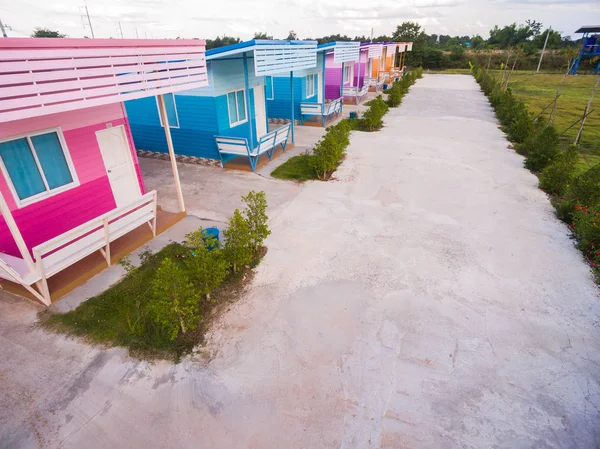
211,232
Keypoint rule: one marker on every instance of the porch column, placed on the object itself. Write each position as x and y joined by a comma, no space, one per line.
324,61
292,101
165,120
358,77
16,234
247,89
342,89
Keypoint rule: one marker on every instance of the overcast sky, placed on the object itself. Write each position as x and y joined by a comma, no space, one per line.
309,18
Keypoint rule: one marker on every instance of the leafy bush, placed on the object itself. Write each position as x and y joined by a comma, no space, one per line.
555,178
256,216
206,265
237,249
419,72
565,209
585,188
329,152
541,149
174,302
372,117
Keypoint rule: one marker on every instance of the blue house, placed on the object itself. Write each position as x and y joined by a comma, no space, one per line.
308,95
228,119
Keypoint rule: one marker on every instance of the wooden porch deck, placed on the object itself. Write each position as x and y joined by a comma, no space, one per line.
67,280
242,163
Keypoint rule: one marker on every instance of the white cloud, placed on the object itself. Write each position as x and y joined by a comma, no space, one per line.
204,19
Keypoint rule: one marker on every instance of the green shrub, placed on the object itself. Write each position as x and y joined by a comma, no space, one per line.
419,72
174,305
555,178
206,265
329,152
372,117
585,188
586,226
256,216
541,149
237,248
520,125
564,209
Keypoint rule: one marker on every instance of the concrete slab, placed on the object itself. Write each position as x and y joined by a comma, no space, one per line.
212,193
427,298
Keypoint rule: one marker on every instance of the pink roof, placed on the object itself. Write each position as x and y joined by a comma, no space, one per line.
46,76
31,43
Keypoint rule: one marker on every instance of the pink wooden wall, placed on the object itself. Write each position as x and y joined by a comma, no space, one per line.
48,218
333,74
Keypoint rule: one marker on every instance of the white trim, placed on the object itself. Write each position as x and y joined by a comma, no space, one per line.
347,79
314,91
237,110
49,192
270,95
176,112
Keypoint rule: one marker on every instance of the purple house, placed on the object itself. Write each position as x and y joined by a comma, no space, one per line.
342,67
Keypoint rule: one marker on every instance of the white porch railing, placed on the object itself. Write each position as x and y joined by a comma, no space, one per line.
325,111
354,91
239,146
66,249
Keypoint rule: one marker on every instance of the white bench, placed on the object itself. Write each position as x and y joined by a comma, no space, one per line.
66,249
354,91
239,146
325,111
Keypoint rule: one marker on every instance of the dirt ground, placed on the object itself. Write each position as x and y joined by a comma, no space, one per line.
425,298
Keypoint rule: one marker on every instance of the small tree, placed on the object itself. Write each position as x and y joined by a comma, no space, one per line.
174,303
292,36
238,249
207,267
45,32
256,216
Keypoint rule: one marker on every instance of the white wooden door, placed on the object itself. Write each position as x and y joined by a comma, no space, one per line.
320,87
260,111
119,164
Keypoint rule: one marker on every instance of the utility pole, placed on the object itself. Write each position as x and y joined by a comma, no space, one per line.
544,49
136,33
87,13
3,29
121,30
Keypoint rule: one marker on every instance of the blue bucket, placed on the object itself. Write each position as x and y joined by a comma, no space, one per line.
211,232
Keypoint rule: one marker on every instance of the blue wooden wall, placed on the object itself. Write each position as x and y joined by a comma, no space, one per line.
280,106
203,114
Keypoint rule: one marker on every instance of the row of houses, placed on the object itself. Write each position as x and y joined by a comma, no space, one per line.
75,112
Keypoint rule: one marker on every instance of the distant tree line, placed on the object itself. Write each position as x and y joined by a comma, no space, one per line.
435,51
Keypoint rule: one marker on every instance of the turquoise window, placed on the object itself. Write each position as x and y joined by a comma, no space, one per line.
32,177
171,109
236,103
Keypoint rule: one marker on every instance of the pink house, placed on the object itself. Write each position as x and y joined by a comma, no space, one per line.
70,182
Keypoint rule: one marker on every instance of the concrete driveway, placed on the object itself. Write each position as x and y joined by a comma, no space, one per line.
426,298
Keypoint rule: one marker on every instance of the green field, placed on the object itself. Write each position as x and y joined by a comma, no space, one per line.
538,90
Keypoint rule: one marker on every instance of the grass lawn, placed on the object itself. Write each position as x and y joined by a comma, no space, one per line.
538,90
119,316
295,169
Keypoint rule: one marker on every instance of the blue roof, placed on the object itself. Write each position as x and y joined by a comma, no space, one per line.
243,47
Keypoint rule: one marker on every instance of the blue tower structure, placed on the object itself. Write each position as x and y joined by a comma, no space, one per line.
590,48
